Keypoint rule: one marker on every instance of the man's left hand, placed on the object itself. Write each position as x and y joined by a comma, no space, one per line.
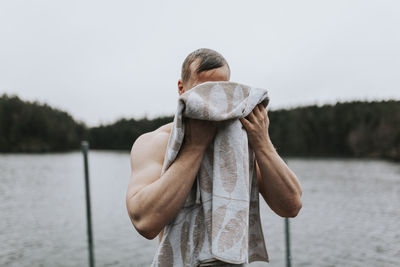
276,182
256,125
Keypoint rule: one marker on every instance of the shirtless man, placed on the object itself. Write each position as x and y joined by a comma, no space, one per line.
153,200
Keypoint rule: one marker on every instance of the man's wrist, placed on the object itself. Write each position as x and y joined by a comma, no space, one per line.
265,148
194,148
269,146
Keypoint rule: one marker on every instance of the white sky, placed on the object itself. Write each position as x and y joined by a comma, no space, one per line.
103,60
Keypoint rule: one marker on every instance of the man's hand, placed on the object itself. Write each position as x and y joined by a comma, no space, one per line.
256,125
276,182
199,133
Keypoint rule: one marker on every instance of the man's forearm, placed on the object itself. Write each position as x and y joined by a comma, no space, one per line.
158,203
279,185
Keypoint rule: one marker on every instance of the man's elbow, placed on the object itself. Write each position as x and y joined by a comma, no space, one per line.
144,227
142,224
144,230
295,205
292,210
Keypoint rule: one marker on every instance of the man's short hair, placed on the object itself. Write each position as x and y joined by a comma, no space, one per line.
209,59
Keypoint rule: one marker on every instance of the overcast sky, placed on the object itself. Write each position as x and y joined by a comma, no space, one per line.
103,60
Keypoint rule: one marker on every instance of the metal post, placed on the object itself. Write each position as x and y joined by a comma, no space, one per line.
85,148
287,239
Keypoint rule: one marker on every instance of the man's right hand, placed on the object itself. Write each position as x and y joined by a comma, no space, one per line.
199,133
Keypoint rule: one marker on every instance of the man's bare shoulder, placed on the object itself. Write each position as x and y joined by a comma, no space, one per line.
151,146
159,136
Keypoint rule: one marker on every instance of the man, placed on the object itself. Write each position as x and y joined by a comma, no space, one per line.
153,200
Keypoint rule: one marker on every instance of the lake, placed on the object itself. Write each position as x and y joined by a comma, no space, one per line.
350,214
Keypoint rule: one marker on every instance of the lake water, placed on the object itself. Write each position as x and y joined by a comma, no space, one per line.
350,214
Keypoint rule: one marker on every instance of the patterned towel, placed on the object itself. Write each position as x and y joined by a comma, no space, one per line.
220,220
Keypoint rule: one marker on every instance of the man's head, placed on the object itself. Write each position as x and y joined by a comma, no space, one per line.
201,66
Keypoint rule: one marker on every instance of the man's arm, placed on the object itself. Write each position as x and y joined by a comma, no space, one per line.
278,185
153,200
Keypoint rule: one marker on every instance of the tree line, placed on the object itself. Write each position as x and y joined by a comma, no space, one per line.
34,127
351,129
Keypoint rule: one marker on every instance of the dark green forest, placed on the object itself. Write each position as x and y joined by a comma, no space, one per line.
350,129
34,127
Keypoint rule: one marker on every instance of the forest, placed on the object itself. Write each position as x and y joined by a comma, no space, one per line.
344,129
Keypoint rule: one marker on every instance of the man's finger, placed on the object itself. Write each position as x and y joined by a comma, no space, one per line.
251,117
257,113
264,111
244,122
261,107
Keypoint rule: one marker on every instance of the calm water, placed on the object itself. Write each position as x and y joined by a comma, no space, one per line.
350,214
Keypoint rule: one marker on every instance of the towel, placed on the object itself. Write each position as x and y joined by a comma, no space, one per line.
220,219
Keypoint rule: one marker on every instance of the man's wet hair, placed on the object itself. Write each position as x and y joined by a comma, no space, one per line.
209,59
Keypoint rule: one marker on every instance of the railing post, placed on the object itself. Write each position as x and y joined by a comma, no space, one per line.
287,239
85,148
